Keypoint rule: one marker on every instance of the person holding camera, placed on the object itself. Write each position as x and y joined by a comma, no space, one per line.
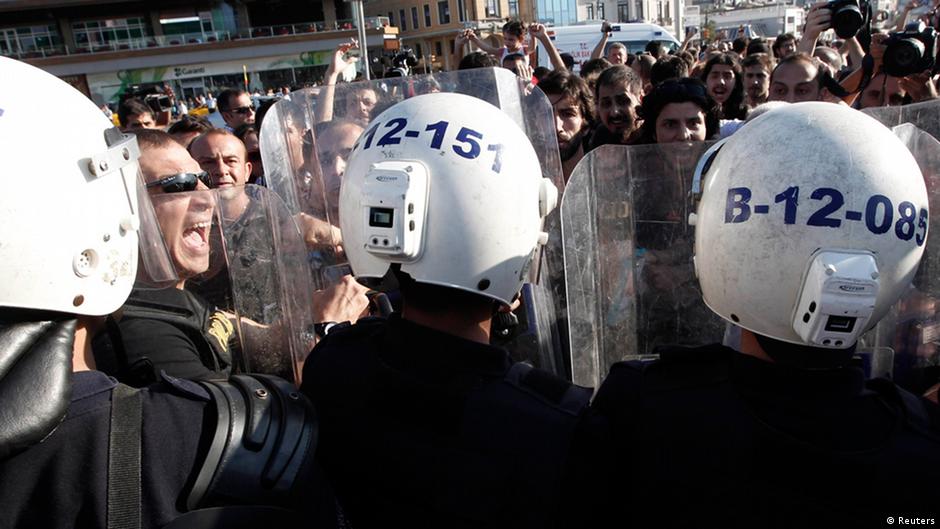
616,54
359,101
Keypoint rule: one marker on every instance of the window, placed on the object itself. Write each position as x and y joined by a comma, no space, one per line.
590,12
414,17
461,11
93,33
492,8
28,39
401,18
427,15
443,12
514,8
791,20
391,18
438,48
418,46
600,11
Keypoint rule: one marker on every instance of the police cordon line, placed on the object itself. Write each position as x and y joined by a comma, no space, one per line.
329,350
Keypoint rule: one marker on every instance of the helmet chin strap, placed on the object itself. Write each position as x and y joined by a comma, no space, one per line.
805,356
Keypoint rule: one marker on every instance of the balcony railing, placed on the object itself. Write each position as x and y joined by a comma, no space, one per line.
190,39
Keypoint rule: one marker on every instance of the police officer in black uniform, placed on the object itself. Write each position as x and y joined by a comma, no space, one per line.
423,422
78,449
786,431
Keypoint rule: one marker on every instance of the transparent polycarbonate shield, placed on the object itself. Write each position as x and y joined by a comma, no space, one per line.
307,136
154,264
292,172
240,252
905,344
628,257
922,115
305,142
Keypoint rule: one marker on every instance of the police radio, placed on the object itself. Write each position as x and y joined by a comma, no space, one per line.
394,203
837,299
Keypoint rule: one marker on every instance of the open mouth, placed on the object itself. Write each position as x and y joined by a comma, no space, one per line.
619,122
196,236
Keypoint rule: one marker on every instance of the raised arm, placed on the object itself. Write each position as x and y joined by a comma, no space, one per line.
817,21
852,82
478,42
599,49
340,62
541,34
460,44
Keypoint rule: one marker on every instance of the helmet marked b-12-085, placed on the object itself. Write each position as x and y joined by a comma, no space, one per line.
810,241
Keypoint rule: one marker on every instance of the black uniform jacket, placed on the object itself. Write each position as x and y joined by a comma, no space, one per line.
424,429
62,482
708,437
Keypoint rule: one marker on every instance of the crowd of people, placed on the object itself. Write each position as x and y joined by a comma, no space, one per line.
129,394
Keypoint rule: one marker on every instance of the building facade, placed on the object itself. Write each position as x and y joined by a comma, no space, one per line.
196,46
430,27
763,20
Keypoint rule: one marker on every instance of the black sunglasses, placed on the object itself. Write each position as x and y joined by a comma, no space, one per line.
242,110
181,182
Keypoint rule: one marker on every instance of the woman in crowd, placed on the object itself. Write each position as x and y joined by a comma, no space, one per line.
679,110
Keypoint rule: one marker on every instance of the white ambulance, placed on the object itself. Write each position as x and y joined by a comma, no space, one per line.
580,40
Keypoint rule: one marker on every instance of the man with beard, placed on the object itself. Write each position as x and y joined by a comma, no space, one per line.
618,93
784,45
757,70
572,105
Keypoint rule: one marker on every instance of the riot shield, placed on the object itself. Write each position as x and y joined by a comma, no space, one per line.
306,138
922,115
239,252
903,346
628,256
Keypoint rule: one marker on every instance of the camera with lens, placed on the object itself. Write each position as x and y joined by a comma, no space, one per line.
154,96
848,16
402,63
910,51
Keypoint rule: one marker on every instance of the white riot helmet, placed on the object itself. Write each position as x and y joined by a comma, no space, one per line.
449,187
811,225
70,214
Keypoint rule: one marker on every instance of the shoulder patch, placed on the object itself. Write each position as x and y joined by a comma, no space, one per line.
185,388
221,328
